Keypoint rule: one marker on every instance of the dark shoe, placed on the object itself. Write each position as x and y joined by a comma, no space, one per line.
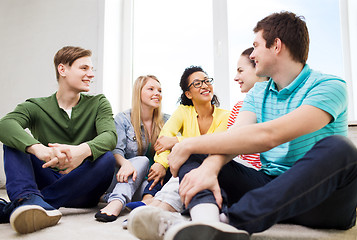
132,205
6,209
33,214
103,217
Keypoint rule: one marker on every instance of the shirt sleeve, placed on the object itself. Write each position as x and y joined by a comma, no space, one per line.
248,104
329,96
119,121
13,125
106,138
171,128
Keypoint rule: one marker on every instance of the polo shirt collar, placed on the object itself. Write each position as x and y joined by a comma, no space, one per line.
305,72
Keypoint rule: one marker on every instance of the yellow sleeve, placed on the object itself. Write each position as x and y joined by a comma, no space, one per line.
171,128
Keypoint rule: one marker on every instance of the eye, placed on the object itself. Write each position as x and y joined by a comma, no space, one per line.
196,83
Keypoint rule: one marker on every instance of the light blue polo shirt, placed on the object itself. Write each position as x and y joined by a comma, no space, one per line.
313,88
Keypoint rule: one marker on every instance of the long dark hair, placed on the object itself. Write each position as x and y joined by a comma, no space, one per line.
184,86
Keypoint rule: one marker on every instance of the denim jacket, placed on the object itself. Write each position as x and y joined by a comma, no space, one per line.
127,145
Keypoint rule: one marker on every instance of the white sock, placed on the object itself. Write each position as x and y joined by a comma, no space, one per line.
223,218
205,212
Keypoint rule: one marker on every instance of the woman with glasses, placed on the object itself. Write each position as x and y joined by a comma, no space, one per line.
197,114
137,129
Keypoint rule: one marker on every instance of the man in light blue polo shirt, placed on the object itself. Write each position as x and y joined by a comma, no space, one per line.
298,122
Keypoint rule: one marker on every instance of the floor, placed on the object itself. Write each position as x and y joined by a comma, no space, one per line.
80,224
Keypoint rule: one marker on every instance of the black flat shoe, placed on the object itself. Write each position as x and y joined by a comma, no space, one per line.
103,217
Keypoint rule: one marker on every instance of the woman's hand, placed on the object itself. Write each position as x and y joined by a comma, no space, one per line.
157,173
164,143
125,171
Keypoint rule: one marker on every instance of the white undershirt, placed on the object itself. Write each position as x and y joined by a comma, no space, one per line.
69,112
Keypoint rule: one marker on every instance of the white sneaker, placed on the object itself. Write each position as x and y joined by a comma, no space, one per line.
151,223
205,231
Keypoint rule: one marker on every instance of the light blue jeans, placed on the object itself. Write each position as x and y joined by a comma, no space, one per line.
126,192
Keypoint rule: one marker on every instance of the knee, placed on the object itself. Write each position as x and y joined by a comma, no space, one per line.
9,150
194,161
341,145
106,162
140,163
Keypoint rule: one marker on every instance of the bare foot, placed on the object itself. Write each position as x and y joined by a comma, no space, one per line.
113,208
162,205
147,199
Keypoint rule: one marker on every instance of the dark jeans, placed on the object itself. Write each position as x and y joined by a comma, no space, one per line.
82,187
158,186
319,191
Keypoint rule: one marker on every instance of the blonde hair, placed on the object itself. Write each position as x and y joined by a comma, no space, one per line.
157,120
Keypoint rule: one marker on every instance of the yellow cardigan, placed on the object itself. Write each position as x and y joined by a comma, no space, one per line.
184,121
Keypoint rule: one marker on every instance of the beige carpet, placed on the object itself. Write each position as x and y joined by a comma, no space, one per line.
80,224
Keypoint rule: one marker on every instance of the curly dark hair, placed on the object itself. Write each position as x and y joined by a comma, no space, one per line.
290,29
184,86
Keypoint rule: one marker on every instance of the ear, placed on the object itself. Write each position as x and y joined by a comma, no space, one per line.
277,45
61,69
188,94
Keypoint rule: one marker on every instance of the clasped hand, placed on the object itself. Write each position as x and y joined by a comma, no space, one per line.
61,156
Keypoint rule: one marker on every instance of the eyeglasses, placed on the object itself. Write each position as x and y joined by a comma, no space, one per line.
198,83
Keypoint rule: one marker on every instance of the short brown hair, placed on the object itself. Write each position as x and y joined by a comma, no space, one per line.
290,29
69,54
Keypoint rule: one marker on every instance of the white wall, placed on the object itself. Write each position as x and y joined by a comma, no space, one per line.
32,32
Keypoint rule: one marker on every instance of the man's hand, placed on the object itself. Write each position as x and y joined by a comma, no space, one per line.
125,171
164,143
75,155
178,156
42,152
157,173
199,179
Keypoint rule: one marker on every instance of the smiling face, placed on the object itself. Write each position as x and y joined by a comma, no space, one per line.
245,76
202,94
77,77
263,56
151,94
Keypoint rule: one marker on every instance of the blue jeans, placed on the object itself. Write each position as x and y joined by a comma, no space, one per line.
82,187
319,190
125,191
158,186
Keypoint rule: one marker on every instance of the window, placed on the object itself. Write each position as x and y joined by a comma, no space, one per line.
168,37
163,37
322,19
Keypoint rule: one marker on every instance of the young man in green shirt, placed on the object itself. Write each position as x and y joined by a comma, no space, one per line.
58,166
